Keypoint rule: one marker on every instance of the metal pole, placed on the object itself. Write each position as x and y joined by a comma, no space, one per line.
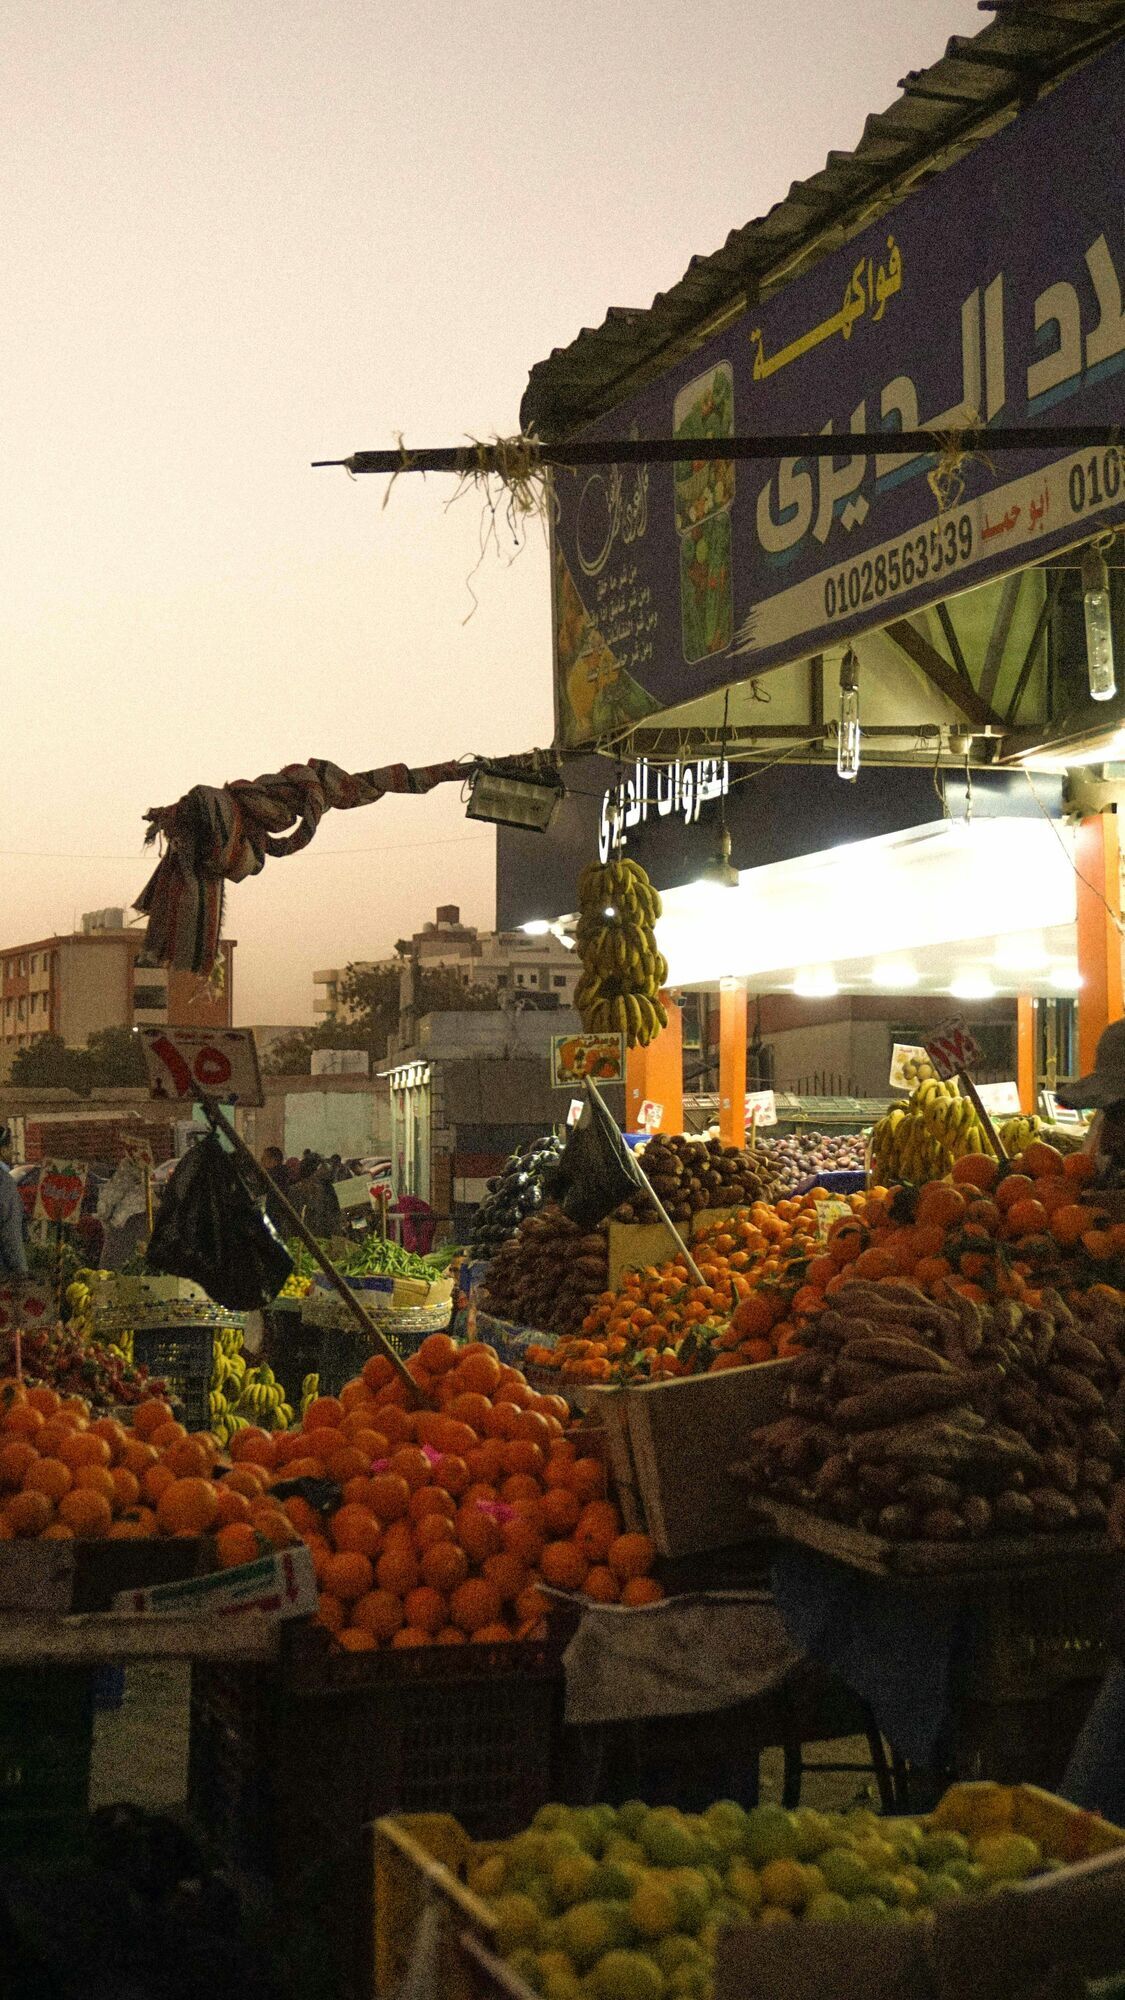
662,1212
339,1284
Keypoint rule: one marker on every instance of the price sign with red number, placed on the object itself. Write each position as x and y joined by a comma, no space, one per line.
951,1048
221,1062
62,1186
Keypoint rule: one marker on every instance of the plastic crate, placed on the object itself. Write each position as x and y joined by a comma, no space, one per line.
1030,1636
343,1352
289,1766
46,1737
183,1356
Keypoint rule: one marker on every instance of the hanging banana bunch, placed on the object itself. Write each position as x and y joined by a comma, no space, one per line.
623,971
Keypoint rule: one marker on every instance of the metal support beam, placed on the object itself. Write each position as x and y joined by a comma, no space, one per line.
941,675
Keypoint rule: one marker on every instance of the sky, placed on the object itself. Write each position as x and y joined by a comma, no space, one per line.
241,235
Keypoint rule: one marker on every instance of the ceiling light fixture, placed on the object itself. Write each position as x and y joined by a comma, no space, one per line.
719,872
894,975
847,743
1099,625
972,986
1065,978
528,800
818,984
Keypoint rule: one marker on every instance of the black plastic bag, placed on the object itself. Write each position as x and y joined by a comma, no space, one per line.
596,1171
209,1228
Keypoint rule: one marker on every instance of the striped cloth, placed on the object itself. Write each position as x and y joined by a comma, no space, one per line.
217,834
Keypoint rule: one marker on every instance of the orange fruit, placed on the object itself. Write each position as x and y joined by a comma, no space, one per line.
1012,1189
378,1612
368,1439
450,1635
236,1543
251,1446
452,1475
30,1513
470,1408
432,1500
1068,1225
187,1507
150,1415
602,1585
598,1526
355,1393
426,1609
136,1524
126,1489
941,1204
115,1435
233,1506
508,1573
270,1519
348,1575
410,1463
631,1555
59,1532
563,1565
587,1478
644,1589
474,1603
478,1369
247,1479
47,1401
354,1640
390,1496
410,1635
496,1634
15,1459
331,1613
324,1412
188,1458
166,1435
397,1571
562,1510
83,1448
443,1566
376,1374
137,1456
88,1514
50,1476
22,1421
523,1457
975,1170
478,1533
523,1537
433,1528
531,1605
96,1479
438,1353
305,1519
356,1530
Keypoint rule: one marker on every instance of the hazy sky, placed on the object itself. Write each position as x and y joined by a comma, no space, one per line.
244,234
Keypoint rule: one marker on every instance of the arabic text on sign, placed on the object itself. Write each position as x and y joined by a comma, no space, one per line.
657,791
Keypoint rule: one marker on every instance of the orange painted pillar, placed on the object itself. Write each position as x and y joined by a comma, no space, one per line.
656,1074
732,1065
1026,1079
1098,861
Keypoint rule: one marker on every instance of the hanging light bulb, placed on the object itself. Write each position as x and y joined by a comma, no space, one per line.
1099,625
847,744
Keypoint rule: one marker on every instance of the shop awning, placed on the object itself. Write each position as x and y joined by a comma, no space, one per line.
969,909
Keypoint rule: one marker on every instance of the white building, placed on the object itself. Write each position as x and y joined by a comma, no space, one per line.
510,961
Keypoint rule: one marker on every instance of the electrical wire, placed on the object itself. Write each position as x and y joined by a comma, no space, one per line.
1111,913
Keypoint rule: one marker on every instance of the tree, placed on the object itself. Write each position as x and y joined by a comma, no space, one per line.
111,1059
372,998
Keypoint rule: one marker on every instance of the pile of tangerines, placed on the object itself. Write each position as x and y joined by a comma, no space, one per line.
449,1515
663,1323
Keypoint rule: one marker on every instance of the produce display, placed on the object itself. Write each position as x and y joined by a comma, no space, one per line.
917,1420
795,1156
241,1395
623,969
987,1232
512,1194
63,1358
921,1139
692,1174
628,1903
375,1257
548,1274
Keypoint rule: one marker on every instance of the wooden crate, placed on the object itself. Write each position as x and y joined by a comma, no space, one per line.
632,1245
671,1445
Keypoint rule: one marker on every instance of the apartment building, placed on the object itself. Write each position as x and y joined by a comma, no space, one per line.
511,961
97,978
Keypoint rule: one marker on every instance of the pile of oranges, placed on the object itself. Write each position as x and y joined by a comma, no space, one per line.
988,1232
662,1323
66,1474
448,1520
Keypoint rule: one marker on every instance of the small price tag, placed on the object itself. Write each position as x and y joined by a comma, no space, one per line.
1060,1114
137,1150
761,1108
951,1047
577,1107
649,1116
221,1061
828,1212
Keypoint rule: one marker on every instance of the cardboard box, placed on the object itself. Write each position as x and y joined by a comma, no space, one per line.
283,1585
632,1245
672,1445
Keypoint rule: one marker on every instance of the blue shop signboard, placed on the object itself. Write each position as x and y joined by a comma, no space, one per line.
994,293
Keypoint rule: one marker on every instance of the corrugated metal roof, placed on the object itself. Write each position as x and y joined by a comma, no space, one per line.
943,112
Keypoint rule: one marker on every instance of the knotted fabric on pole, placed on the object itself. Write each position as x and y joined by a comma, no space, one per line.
223,833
